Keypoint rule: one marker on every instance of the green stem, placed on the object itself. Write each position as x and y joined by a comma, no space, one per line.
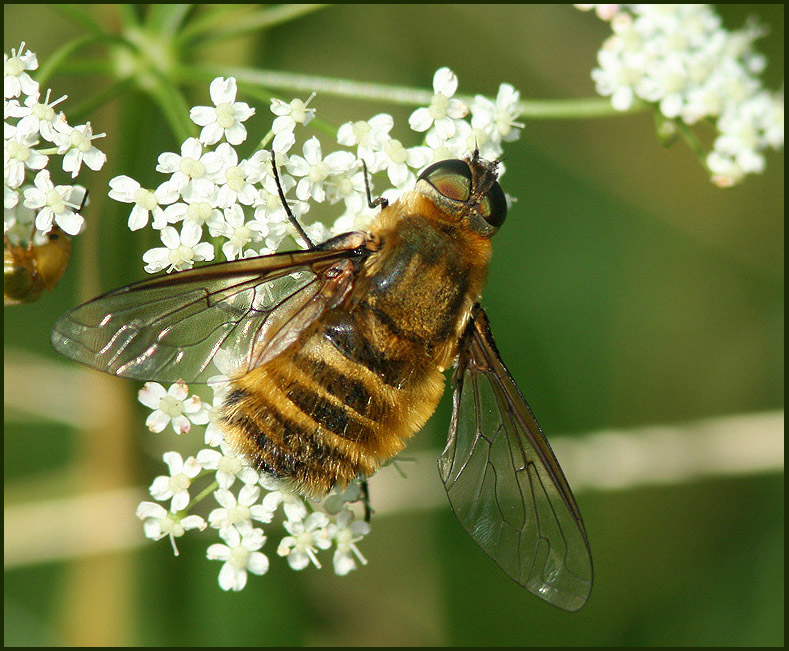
86,67
207,31
568,109
62,54
166,19
129,15
266,140
202,494
262,95
692,141
324,127
77,13
89,105
173,105
206,20
593,107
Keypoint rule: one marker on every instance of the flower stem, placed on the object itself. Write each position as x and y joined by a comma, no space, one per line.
173,105
692,141
81,15
569,109
166,19
592,107
60,56
202,495
221,24
88,106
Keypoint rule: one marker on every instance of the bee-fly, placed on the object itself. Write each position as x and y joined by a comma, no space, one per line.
343,349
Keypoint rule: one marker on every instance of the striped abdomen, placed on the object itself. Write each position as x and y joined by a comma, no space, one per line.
330,410
365,377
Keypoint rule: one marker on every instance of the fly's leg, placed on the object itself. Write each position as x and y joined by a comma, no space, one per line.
291,216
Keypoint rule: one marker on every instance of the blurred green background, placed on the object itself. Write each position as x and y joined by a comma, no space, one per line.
626,291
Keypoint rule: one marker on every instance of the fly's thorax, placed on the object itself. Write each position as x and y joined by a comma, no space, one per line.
421,283
425,211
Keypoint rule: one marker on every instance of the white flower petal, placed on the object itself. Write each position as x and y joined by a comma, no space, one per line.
151,510
236,134
223,90
218,552
170,237
231,578
150,394
420,120
202,115
298,560
157,421
445,82
180,501
257,563
211,133
181,425
160,488
193,522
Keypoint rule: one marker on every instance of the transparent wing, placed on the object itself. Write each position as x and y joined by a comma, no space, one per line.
171,327
504,482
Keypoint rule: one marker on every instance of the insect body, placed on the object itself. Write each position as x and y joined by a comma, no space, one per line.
342,352
31,270
368,373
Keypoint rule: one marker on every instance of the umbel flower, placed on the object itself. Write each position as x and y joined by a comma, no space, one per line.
35,134
683,60
213,200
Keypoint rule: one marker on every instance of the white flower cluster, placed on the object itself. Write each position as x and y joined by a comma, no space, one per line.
32,133
210,188
244,498
212,191
682,59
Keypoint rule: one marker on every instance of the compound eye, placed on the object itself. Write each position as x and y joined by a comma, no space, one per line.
452,178
494,206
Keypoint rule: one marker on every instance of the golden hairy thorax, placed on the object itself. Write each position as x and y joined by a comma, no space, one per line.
368,374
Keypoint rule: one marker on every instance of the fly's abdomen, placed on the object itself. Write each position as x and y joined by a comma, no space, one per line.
330,409
366,376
